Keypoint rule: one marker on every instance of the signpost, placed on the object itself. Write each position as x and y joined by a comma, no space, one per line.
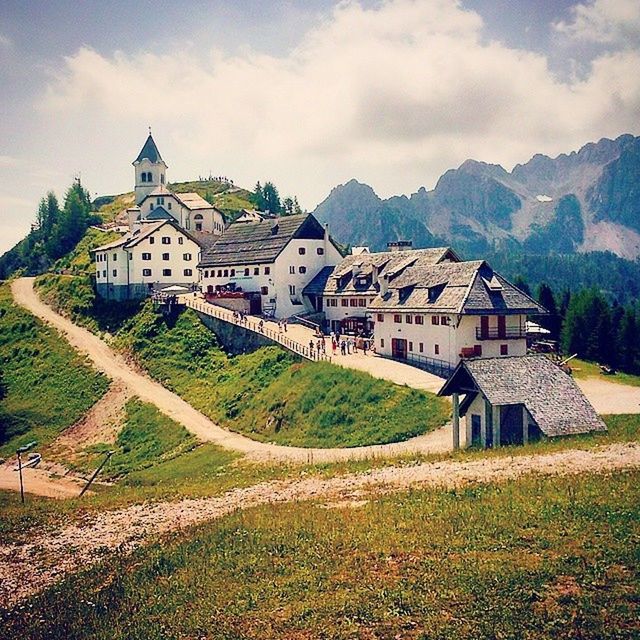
20,451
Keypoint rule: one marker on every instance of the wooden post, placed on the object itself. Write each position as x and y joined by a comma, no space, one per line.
484,424
456,421
525,425
496,426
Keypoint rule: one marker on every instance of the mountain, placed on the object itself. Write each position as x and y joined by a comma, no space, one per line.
588,200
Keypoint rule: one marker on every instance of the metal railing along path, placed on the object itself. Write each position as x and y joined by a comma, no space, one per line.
221,313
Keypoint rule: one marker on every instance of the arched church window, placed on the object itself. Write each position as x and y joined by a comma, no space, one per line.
149,176
162,178
144,176
198,216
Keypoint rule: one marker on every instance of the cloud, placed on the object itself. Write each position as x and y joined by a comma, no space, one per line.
5,42
604,21
393,94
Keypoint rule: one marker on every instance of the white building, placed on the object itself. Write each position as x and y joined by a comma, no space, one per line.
345,292
270,262
437,315
155,255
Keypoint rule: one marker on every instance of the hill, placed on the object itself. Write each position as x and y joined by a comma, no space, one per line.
587,200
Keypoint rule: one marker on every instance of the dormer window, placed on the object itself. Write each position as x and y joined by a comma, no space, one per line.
434,292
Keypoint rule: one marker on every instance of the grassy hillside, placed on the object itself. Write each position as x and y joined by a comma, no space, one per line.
535,558
270,395
49,386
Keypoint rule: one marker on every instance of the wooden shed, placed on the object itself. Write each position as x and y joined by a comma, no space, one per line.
514,400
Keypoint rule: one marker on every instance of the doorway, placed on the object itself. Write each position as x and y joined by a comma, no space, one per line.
399,348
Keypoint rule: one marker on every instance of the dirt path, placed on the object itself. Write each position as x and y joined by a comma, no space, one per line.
610,397
29,568
114,366
39,482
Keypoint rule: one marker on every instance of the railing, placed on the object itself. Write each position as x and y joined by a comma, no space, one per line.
258,327
496,333
306,323
440,368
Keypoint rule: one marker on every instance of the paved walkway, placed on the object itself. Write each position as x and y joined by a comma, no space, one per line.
116,368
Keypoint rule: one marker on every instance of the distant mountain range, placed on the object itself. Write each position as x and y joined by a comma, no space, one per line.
588,200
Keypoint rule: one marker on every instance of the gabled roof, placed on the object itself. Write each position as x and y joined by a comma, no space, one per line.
263,241
390,263
132,239
159,213
193,201
470,288
551,396
149,151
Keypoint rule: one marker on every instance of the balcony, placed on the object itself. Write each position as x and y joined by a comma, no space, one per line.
502,333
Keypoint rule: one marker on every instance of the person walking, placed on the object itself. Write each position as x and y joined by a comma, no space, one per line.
334,345
343,347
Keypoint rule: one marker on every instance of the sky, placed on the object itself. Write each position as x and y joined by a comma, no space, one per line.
305,94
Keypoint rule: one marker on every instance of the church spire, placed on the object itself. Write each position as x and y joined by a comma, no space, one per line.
149,151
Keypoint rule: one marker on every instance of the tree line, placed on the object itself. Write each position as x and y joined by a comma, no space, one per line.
267,198
586,323
56,231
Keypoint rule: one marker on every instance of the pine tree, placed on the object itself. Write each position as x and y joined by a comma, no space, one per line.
271,198
521,283
551,321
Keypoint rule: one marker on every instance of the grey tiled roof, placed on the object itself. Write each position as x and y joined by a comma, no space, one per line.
149,151
455,287
551,396
147,229
159,213
386,262
258,242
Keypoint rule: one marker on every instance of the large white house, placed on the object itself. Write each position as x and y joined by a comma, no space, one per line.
269,261
155,255
425,305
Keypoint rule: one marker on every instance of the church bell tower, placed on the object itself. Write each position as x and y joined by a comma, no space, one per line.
150,169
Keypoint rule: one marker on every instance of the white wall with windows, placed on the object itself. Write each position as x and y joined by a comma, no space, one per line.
205,220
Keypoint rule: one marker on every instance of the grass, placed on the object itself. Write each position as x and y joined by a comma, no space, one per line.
49,386
79,261
583,369
111,206
270,395
535,558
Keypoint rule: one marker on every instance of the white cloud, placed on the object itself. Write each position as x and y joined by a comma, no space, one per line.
604,21
393,95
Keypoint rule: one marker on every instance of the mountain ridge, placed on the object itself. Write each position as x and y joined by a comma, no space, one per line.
586,200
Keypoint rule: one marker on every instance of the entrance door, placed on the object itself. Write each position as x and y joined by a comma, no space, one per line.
476,429
399,348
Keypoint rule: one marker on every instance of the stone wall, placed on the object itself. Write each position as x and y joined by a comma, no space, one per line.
232,338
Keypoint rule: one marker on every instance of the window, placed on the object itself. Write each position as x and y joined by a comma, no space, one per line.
162,181
232,272
146,272
397,318
165,256
186,256
144,176
419,320
115,273
504,349
206,274
320,251
152,240
146,256
166,240
115,257
409,320
380,317
382,343
410,346
180,240
150,206
436,349
292,289
166,272
435,319
188,272
225,273
160,200
149,176
198,226
264,291
446,320
362,302
198,216
302,251
219,273
131,256
256,271
267,271
332,302
353,302
344,302
246,271
168,203
421,347
104,274
302,269
292,269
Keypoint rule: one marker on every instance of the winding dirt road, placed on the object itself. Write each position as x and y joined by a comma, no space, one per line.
26,569
116,368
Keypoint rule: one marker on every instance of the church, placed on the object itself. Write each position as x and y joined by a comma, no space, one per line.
167,234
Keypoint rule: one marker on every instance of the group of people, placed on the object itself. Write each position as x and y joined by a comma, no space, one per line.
239,317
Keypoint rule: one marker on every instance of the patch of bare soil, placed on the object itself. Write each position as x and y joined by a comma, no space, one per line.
39,482
26,569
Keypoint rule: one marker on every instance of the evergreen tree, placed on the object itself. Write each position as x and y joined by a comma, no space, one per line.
551,321
271,198
628,342
258,194
521,283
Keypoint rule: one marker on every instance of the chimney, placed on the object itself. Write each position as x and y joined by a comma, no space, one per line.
400,245
384,284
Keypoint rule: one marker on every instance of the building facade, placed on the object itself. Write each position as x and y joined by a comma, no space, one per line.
271,260
156,255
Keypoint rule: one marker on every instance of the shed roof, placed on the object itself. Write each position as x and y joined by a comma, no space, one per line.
551,396
262,241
